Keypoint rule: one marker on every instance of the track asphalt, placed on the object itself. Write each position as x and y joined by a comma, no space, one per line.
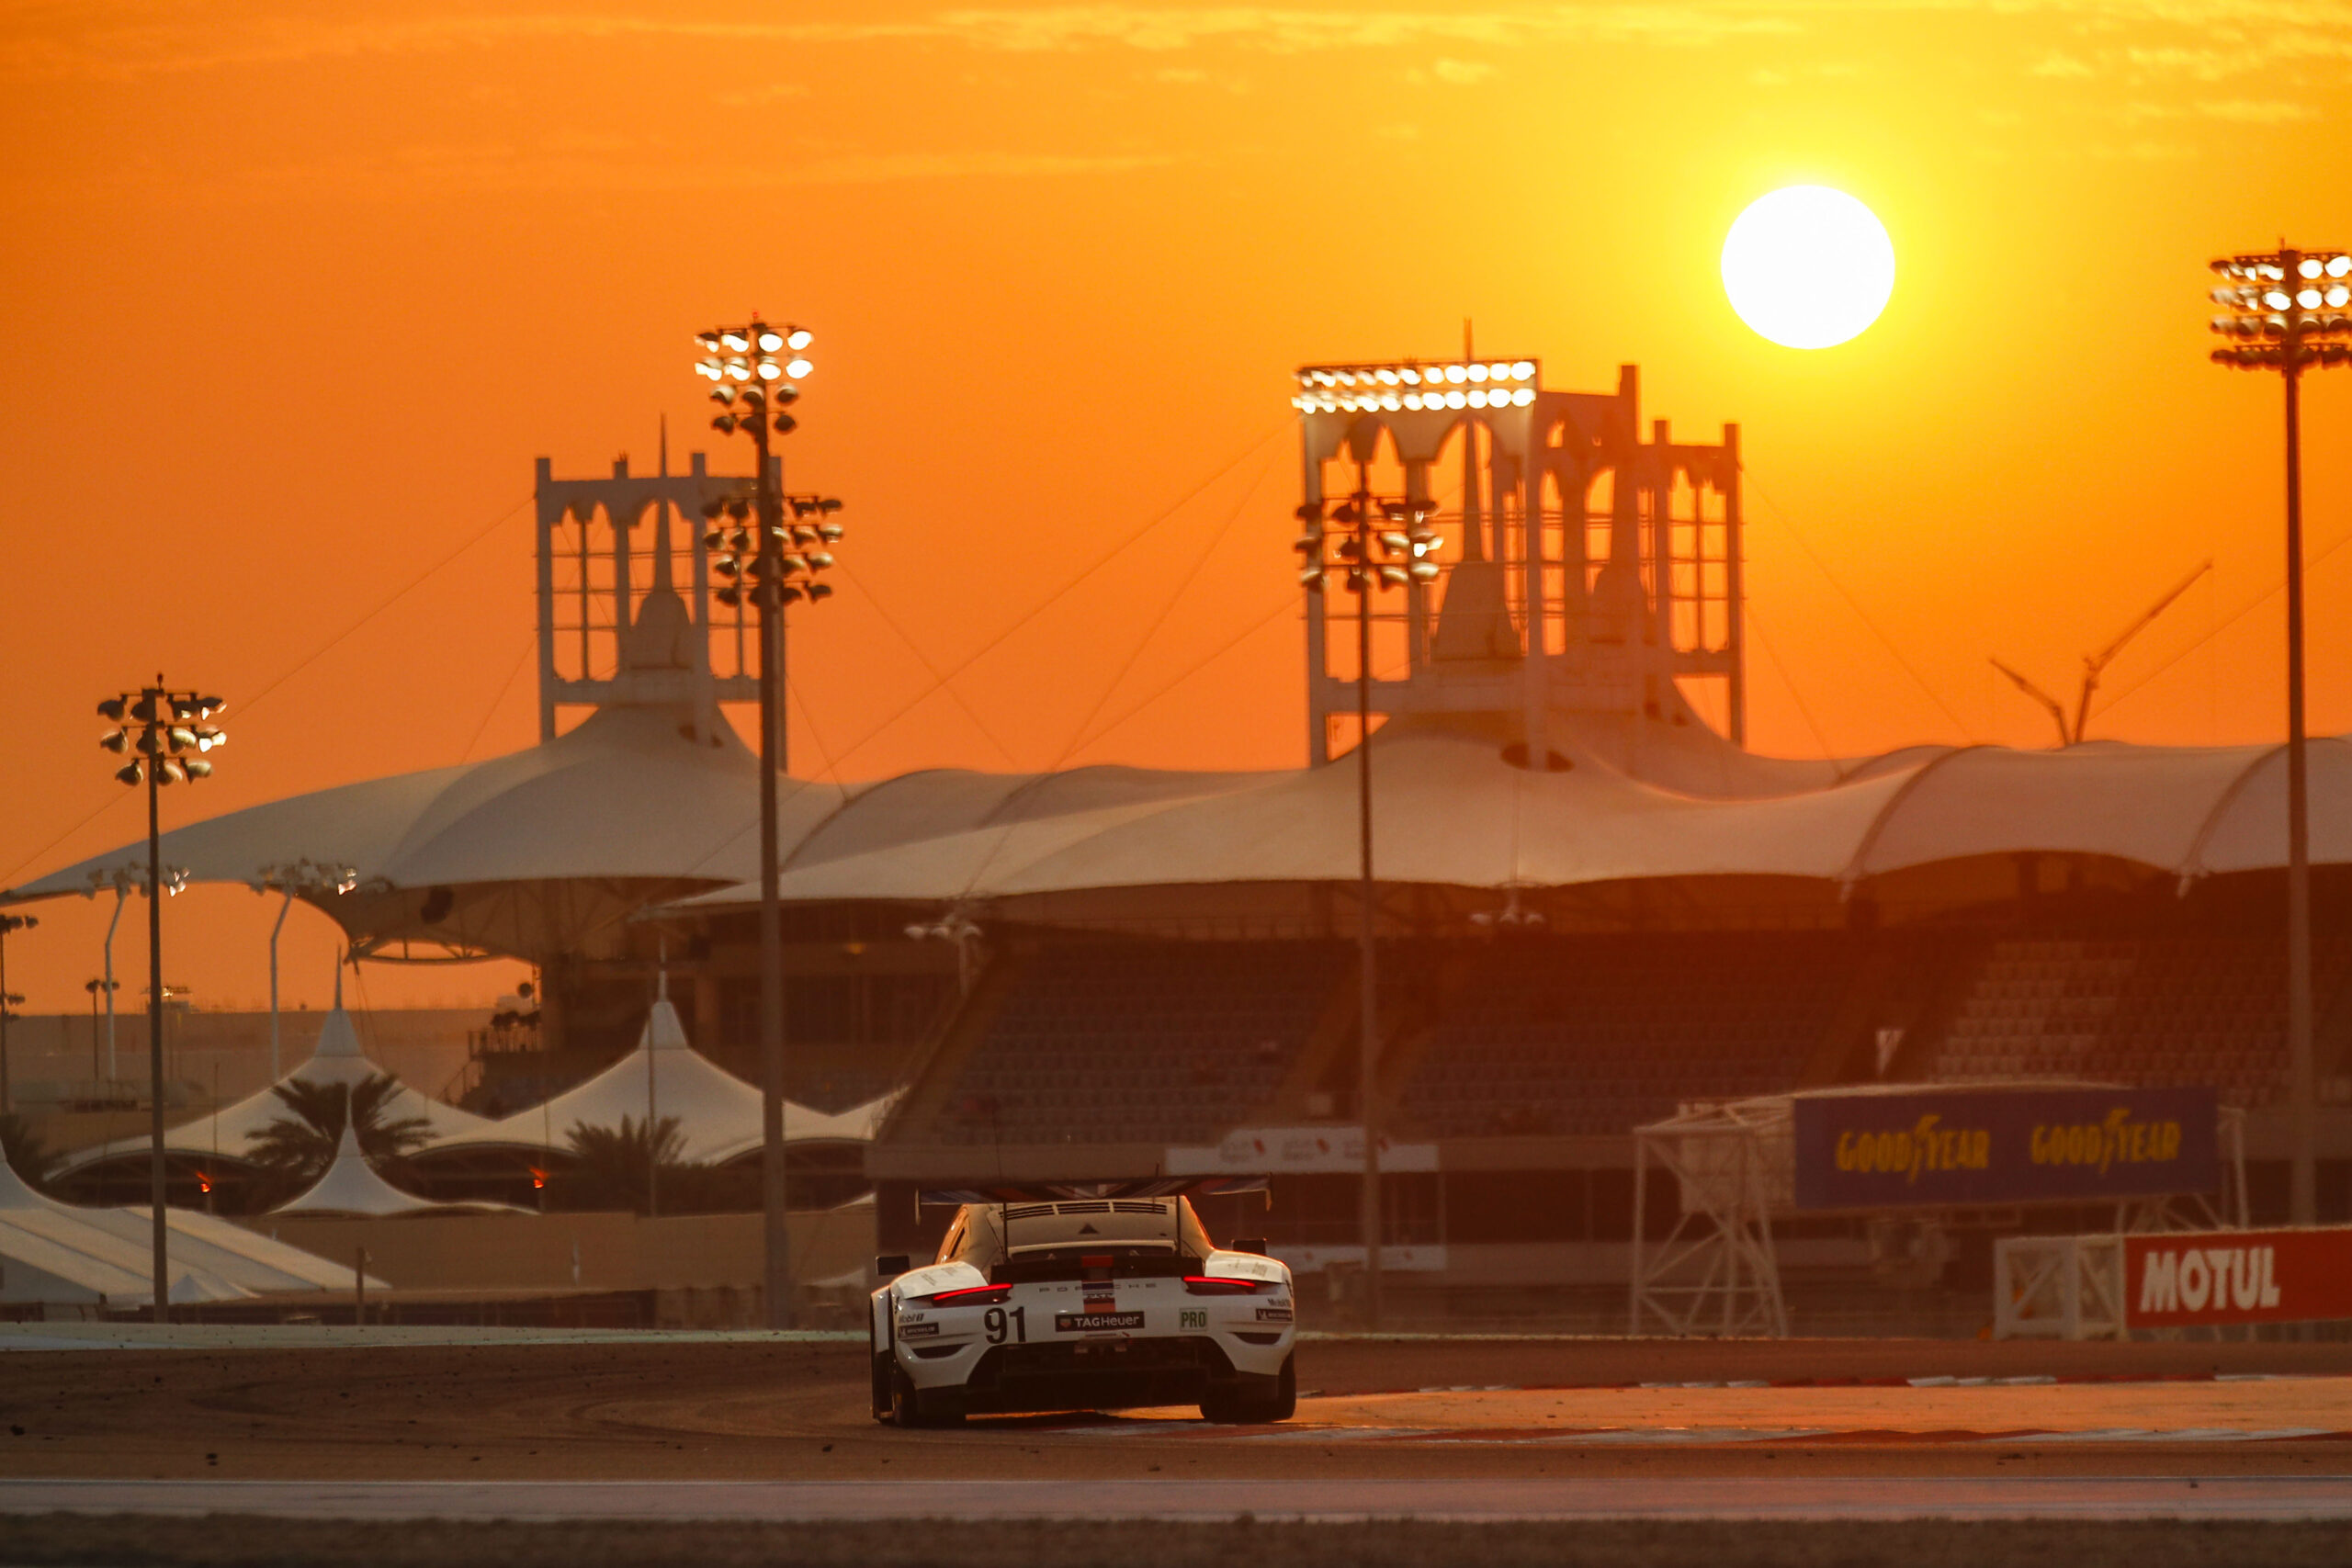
2262,1497
754,1428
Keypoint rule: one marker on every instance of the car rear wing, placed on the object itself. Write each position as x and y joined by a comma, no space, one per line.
1063,1191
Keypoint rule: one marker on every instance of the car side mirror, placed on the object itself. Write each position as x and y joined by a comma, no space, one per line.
1256,1244
890,1265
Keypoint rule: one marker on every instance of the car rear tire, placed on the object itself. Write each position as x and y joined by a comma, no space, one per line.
1236,1407
1284,1404
912,1406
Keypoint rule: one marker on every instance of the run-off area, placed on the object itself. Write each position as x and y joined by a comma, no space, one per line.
1502,1451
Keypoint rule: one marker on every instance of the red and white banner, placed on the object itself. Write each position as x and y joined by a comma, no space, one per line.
2283,1276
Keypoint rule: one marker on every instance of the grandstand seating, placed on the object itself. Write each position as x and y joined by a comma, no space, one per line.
2153,1010
1140,1042
1179,1042
1598,1034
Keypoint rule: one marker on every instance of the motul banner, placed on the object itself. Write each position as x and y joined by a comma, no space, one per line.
1924,1148
2284,1276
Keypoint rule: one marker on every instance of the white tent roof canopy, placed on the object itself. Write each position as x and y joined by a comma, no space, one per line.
49,1258
60,1252
350,1186
228,1132
526,853
718,1113
1450,810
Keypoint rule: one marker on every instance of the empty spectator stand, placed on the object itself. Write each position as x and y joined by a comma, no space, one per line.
1138,1042
1594,1034
2191,1008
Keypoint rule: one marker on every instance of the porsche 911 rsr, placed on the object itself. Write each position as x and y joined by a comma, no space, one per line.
1041,1301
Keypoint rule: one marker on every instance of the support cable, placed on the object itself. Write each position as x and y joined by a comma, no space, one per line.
1856,606
1078,734
398,594
1058,594
1287,602
2216,629
1827,755
808,721
247,703
939,682
530,646
1166,609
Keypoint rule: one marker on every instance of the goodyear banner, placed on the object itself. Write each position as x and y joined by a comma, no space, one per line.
2179,1280
1939,1147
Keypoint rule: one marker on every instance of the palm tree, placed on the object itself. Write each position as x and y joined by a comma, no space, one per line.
611,1166
294,1150
23,1149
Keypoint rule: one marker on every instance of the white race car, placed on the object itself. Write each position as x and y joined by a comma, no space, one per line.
1083,1296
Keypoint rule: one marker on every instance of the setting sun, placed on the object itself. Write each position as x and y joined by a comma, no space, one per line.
1808,267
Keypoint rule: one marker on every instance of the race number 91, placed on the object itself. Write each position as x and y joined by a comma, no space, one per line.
1001,1324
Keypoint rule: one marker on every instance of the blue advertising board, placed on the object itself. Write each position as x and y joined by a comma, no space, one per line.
1937,1147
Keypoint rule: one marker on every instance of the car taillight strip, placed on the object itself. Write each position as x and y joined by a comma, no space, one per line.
972,1295
1223,1284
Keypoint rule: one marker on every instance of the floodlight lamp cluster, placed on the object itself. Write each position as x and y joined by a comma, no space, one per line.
164,734
305,875
950,927
1379,544
783,556
122,879
128,879
1409,385
755,368
2288,310
1512,916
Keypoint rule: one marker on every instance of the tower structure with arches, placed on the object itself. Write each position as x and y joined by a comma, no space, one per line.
627,608
1587,570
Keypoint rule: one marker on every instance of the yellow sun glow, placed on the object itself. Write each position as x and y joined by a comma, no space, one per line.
1808,267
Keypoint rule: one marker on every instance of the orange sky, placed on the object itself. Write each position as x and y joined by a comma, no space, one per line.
294,296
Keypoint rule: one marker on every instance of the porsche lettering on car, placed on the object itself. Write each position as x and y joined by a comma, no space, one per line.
1049,1297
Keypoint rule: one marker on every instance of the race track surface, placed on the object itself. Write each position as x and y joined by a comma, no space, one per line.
1329,1500
1456,1428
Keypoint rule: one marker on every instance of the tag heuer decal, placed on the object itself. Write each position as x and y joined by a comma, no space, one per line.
1095,1322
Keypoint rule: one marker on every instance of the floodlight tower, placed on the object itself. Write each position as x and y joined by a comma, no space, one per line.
161,727
2287,309
1535,627
609,638
1379,545
756,367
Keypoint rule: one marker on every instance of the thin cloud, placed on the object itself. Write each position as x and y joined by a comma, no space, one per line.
871,167
2064,65
2227,34
141,49
2244,111
424,171
1463,72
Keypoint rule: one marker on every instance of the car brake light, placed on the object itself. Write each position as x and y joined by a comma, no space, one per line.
973,1295
1222,1285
